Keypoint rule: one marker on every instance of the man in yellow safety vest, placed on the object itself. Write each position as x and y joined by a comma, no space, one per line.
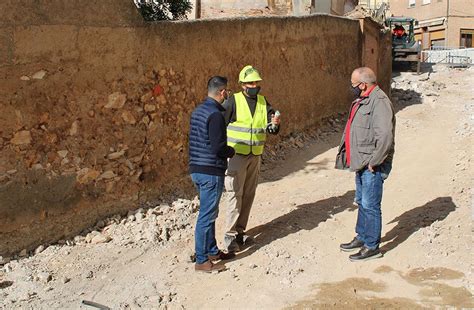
249,117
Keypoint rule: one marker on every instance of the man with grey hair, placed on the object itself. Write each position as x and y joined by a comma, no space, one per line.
367,148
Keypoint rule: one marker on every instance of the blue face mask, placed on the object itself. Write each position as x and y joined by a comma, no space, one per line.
252,92
356,91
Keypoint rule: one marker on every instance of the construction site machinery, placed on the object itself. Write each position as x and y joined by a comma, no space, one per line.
404,46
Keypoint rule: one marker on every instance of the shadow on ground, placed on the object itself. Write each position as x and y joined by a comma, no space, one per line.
309,216
403,98
415,219
399,67
277,170
305,217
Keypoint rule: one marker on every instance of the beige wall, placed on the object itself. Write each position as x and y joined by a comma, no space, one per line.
420,12
372,4
337,7
455,24
334,7
107,126
435,9
461,15
377,51
461,8
72,12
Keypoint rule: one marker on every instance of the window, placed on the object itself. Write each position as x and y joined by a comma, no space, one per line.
426,2
411,3
466,38
439,43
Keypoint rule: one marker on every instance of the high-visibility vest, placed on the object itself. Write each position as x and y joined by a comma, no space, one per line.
248,134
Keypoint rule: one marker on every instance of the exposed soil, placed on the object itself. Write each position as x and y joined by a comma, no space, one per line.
303,211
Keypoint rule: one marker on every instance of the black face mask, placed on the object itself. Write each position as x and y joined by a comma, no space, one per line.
252,92
225,96
356,91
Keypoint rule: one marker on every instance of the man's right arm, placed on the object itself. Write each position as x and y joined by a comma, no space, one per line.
270,113
229,113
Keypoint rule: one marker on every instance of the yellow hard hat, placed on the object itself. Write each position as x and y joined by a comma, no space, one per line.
249,74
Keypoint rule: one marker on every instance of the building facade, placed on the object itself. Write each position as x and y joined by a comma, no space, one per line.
441,23
372,4
333,7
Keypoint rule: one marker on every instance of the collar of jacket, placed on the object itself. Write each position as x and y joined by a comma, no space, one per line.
210,100
372,93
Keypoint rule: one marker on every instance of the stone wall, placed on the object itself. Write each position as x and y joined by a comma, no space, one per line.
95,110
97,13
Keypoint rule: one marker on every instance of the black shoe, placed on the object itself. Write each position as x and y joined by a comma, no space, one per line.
221,256
365,254
351,246
231,245
243,239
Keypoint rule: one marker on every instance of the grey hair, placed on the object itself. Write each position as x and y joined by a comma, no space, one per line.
216,84
366,75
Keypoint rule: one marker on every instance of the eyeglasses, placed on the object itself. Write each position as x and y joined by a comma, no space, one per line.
227,91
357,84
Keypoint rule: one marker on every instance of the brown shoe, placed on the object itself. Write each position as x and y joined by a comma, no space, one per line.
221,256
208,267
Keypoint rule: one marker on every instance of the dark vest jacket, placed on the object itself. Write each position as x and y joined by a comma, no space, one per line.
200,153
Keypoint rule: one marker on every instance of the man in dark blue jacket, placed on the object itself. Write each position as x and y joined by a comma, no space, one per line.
208,153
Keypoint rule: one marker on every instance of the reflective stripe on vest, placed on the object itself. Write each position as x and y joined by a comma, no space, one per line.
248,134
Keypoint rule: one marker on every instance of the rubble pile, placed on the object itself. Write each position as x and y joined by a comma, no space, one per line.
415,88
157,225
153,225
299,140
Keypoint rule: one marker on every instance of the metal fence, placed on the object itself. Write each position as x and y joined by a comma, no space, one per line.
455,56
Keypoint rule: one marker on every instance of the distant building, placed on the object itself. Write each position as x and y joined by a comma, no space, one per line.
333,7
372,4
441,23
376,8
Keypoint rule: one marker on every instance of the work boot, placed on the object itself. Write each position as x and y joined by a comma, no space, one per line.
208,267
365,253
351,246
231,245
221,256
243,239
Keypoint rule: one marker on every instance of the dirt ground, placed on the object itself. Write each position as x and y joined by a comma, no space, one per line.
303,211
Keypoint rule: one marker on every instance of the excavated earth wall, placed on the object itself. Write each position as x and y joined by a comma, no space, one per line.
95,104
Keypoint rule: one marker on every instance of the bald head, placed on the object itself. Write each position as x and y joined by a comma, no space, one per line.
363,75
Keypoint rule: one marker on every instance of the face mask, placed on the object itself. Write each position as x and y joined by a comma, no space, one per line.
356,91
225,96
252,92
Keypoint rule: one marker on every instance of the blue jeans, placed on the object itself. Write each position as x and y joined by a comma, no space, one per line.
384,169
210,191
369,188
